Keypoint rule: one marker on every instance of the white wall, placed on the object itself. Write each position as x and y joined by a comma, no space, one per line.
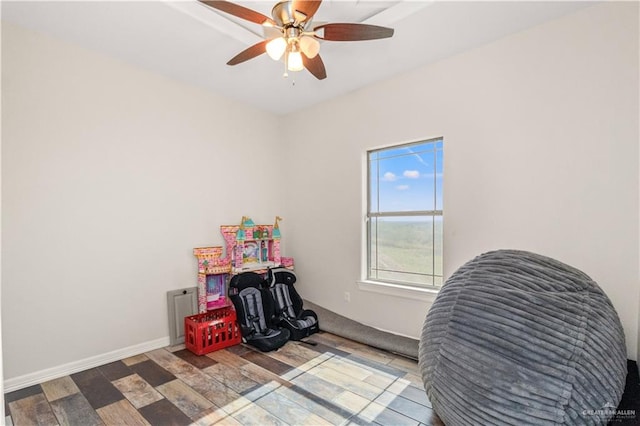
2,413
638,353
107,179
541,153
111,175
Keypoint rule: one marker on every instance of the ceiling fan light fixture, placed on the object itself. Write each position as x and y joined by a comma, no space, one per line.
309,46
291,33
294,62
276,47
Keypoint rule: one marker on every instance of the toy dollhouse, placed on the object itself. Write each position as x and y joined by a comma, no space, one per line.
248,247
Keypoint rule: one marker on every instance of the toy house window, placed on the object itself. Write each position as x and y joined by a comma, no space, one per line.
404,214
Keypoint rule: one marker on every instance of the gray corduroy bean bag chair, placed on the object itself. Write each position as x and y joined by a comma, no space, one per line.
515,338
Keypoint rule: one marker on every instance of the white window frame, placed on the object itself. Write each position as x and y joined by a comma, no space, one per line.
387,286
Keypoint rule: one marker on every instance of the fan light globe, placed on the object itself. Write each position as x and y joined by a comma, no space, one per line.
309,46
295,61
276,48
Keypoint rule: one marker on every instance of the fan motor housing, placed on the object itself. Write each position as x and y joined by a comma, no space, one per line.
284,14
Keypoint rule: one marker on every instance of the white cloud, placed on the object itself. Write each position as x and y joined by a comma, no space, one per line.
411,174
402,187
389,177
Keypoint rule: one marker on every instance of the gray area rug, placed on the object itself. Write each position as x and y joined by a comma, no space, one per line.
334,323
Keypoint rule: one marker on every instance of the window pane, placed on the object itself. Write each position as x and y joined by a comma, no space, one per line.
406,182
403,249
405,226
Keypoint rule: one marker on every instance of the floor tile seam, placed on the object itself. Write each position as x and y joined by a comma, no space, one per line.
356,379
376,421
413,384
64,396
354,388
244,408
230,411
214,408
29,391
85,392
319,364
171,404
275,414
221,382
406,414
368,363
259,363
373,400
413,368
380,359
336,409
293,389
176,377
99,369
145,381
328,356
247,374
276,377
45,399
424,404
237,411
292,374
182,374
365,363
61,420
359,412
135,359
145,405
228,363
283,359
153,365
336,358
213,405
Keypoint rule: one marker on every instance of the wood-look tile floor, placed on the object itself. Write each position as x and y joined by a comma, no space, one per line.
335,382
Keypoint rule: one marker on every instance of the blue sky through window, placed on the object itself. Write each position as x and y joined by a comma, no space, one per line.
406,178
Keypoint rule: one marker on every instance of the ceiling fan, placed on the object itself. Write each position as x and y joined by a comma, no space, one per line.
296,39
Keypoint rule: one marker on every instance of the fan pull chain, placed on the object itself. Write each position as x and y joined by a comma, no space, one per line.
286,65
286,69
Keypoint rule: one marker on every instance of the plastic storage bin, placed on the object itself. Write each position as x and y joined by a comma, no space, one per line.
213,330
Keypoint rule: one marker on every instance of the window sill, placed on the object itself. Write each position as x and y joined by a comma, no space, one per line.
399,290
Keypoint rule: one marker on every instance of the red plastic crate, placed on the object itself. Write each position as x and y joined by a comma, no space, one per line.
213,330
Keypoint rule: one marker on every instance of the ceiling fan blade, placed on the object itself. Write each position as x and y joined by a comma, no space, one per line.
353,32
239,11
315,66
249,53
307,7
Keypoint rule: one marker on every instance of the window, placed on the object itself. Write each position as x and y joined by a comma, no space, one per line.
404,214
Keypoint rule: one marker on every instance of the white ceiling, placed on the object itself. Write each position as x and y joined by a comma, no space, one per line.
190,42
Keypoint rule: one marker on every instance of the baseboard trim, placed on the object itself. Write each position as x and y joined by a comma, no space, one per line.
47,374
